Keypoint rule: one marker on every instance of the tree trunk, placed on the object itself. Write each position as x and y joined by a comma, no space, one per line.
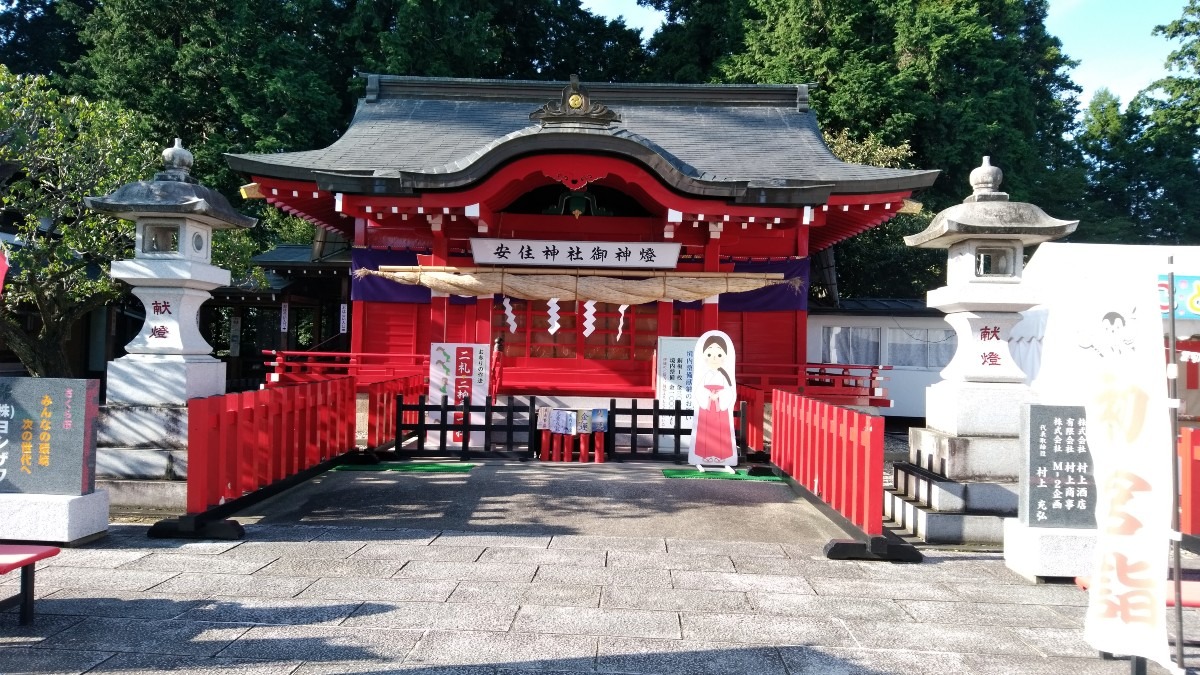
43,354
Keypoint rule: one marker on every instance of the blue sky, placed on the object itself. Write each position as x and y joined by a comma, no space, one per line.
1110,38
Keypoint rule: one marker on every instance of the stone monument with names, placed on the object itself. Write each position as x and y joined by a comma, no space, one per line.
1055,532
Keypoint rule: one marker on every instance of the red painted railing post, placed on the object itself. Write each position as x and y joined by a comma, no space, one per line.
228,470
373,415
1189,482
202,456
873,503
350,408
248,457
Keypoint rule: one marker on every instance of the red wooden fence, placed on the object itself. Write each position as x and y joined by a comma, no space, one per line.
835,453
287,368
1189,481
756,403
238,443
382,398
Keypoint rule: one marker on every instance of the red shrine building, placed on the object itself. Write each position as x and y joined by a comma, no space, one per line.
579,223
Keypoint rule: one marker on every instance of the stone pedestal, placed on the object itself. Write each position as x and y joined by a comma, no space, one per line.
163,379
1040,552
54,519
975,408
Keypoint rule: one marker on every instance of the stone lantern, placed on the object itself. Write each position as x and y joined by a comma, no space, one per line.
171,273
963,467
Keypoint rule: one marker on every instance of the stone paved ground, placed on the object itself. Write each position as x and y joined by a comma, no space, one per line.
309,593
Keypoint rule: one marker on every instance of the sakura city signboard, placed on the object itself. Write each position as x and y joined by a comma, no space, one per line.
546,252
459,372
48,435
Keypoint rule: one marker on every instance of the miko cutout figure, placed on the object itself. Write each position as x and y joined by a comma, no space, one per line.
714,392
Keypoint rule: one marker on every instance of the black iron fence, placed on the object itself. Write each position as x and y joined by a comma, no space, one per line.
509,429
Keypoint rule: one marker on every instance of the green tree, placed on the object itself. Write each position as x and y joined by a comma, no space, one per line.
521,39
223,75
55,150
957,80
1143,161
860,260
696,37
1182,86
1108,138
38,36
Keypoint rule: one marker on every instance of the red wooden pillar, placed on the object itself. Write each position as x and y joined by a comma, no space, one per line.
439,311
483,319
666,318
708,315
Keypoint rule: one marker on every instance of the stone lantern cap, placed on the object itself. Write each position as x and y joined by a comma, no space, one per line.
987,214
172,192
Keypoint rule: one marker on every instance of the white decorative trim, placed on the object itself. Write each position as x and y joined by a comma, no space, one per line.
589,317
621,323
552,313
509,317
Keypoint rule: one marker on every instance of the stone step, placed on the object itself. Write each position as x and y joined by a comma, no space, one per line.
940,494
141,463
941,527
967,458
161,495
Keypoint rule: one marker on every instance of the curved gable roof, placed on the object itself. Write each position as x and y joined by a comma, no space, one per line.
715,140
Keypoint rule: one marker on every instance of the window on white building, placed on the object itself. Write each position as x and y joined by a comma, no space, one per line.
920,347
850,345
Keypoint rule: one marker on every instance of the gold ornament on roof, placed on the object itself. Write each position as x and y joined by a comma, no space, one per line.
575,107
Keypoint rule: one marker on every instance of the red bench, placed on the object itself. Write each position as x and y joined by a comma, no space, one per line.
25,557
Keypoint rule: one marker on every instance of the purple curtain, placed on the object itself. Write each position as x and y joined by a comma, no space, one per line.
779,298
377,289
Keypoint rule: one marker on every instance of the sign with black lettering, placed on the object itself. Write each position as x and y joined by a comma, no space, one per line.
558,253
48,435
1058,489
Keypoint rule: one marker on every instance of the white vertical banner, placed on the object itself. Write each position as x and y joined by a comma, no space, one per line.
674,378
1104,349
283,317
461,372
344,319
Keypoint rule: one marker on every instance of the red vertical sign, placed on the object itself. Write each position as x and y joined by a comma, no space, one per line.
463,367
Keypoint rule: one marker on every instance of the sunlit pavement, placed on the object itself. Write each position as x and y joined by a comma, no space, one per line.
520,568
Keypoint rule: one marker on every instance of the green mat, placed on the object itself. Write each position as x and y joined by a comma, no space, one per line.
419,467
741,474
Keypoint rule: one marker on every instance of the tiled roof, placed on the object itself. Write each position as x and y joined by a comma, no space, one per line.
435,132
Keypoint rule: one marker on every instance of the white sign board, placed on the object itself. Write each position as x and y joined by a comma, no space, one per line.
607,254
674,381
283,317
460,372
344,319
